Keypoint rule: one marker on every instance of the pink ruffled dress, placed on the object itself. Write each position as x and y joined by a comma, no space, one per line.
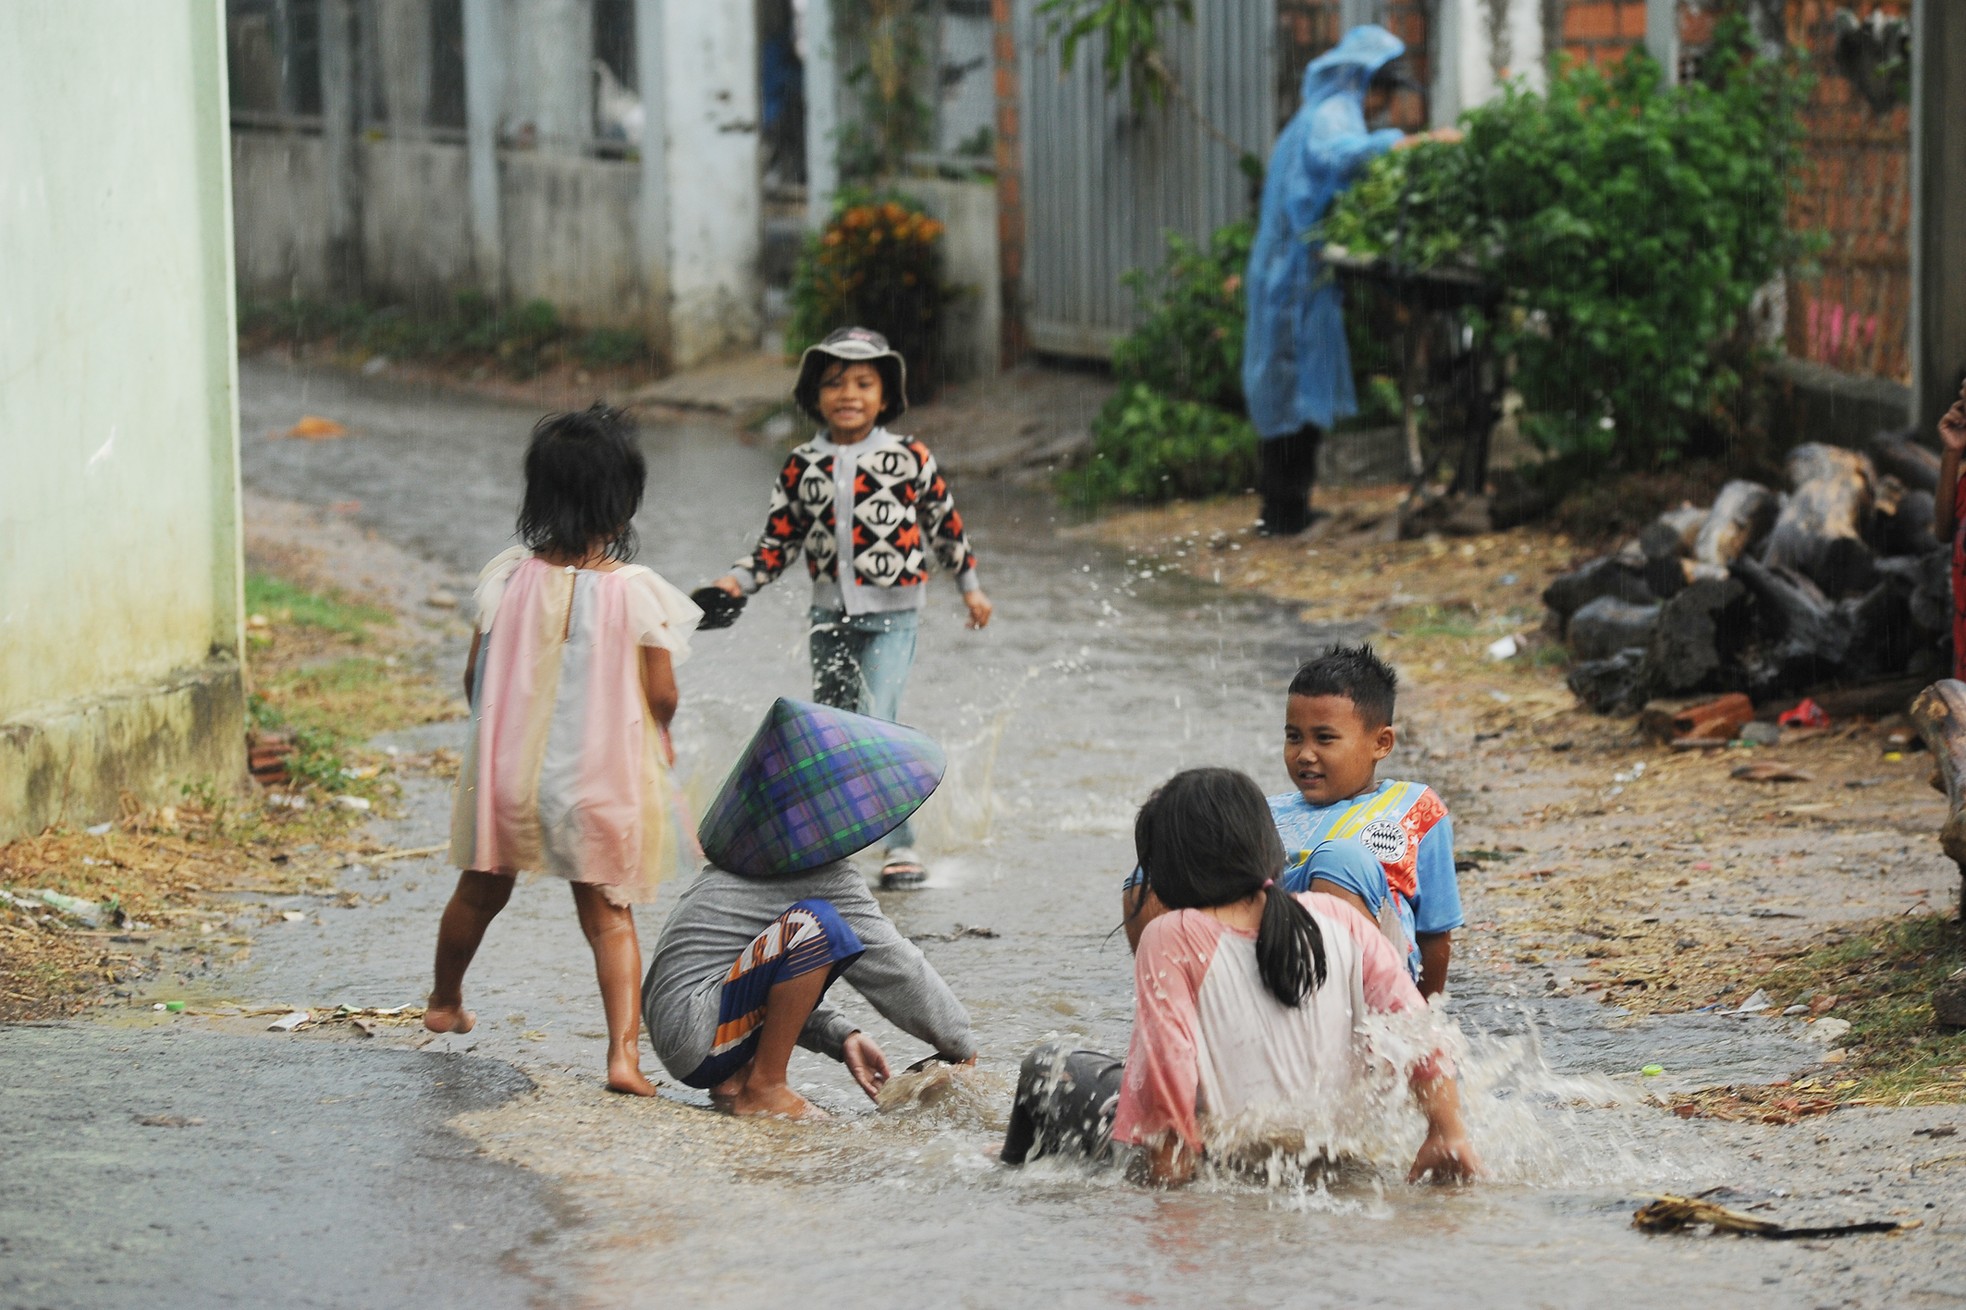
564,771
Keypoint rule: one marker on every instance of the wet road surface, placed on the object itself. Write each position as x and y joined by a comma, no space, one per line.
1100,677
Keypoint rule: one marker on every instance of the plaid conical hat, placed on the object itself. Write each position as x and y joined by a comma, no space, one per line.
814,785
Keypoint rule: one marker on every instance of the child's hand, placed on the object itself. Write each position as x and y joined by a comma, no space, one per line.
1952,425
668,745
979,609
729,585
1444,1158
866,1063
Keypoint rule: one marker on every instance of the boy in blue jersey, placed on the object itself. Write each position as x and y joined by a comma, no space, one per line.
1386,847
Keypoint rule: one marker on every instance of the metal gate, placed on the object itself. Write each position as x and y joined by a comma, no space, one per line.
1104,184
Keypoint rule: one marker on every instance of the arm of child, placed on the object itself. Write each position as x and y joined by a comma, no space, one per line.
1138,908
897,979
659,685
1952,438
471,666
1161,1090
943,523
1437,906
1446,1153
786,524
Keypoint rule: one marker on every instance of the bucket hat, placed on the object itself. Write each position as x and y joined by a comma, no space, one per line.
857,345
815,785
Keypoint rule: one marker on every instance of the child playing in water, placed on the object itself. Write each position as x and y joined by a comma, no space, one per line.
745,959
572,684
1247,998
1385,847
868,584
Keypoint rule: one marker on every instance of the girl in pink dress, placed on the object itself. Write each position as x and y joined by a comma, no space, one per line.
572,684
1247,999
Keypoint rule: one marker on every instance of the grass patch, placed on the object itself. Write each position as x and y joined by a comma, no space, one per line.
282,602
1882,977
521,340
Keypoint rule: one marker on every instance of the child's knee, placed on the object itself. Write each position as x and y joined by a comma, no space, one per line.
486,893
838,933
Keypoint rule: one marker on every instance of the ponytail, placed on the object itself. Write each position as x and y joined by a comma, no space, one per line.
1289,947
1206,838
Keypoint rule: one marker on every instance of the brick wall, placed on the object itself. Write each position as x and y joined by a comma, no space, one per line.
1600,31
1010,180
1856,315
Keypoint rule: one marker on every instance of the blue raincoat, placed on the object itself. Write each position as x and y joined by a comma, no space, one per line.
1296,369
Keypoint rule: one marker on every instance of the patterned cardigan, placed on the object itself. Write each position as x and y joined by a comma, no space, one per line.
898,496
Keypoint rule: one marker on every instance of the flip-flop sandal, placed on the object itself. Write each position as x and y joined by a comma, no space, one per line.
720,608
902,870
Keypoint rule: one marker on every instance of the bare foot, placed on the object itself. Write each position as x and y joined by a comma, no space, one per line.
448,1018
724,1094
779,1101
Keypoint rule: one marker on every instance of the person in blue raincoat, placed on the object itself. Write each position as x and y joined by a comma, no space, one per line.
1296,370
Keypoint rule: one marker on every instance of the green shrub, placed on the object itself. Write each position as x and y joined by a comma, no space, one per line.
877,264
1630,227
1148,446
1189,346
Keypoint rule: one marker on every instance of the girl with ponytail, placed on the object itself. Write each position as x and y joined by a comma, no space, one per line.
1245,996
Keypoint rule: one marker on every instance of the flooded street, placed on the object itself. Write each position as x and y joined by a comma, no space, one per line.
1099,677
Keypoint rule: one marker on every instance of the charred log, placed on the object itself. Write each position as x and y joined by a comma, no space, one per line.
1820,532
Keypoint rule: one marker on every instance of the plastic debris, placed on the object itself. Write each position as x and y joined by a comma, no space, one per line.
1673,1214
1755,1003
1805,714
312,427
357,803
74,907
1653,1070
174,1007
293,916
287,1023
98,829
1505,649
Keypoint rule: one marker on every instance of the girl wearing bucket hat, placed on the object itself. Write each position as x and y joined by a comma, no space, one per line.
869,582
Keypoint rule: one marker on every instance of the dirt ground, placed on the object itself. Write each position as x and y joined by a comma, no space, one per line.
1596,861
326,665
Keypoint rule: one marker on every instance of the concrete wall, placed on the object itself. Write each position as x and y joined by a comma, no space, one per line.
570,236
715,221
280,247
972,327
119,504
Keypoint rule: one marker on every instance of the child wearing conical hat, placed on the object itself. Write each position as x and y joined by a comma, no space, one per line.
779,914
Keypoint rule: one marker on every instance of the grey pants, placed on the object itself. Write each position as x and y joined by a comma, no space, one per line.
1066,1099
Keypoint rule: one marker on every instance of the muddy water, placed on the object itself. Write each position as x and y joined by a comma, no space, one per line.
1100,677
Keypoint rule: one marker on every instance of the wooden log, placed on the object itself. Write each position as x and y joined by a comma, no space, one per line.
1718,719
1801,637
1931,595
1882,633
1870,700
1939,713
1820,532
1667,544
1608,625
1612,685
1743,513
1608,576
1902,521
1896,454
1700,632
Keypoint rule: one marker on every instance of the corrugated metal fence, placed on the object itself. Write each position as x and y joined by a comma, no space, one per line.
1104,184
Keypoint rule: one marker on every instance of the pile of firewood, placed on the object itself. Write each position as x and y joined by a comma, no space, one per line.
1840,582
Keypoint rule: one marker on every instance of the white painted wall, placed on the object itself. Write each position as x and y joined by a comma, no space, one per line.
119,544
1465,70
710,104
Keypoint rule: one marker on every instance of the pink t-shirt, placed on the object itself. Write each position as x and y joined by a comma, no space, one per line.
1207,1035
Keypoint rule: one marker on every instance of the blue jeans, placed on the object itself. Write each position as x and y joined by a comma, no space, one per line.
860,662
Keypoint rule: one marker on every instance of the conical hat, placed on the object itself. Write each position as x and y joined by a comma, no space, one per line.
816,784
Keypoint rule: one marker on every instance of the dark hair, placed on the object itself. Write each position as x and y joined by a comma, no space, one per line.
584,481
1355,673
812,376
1206,838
